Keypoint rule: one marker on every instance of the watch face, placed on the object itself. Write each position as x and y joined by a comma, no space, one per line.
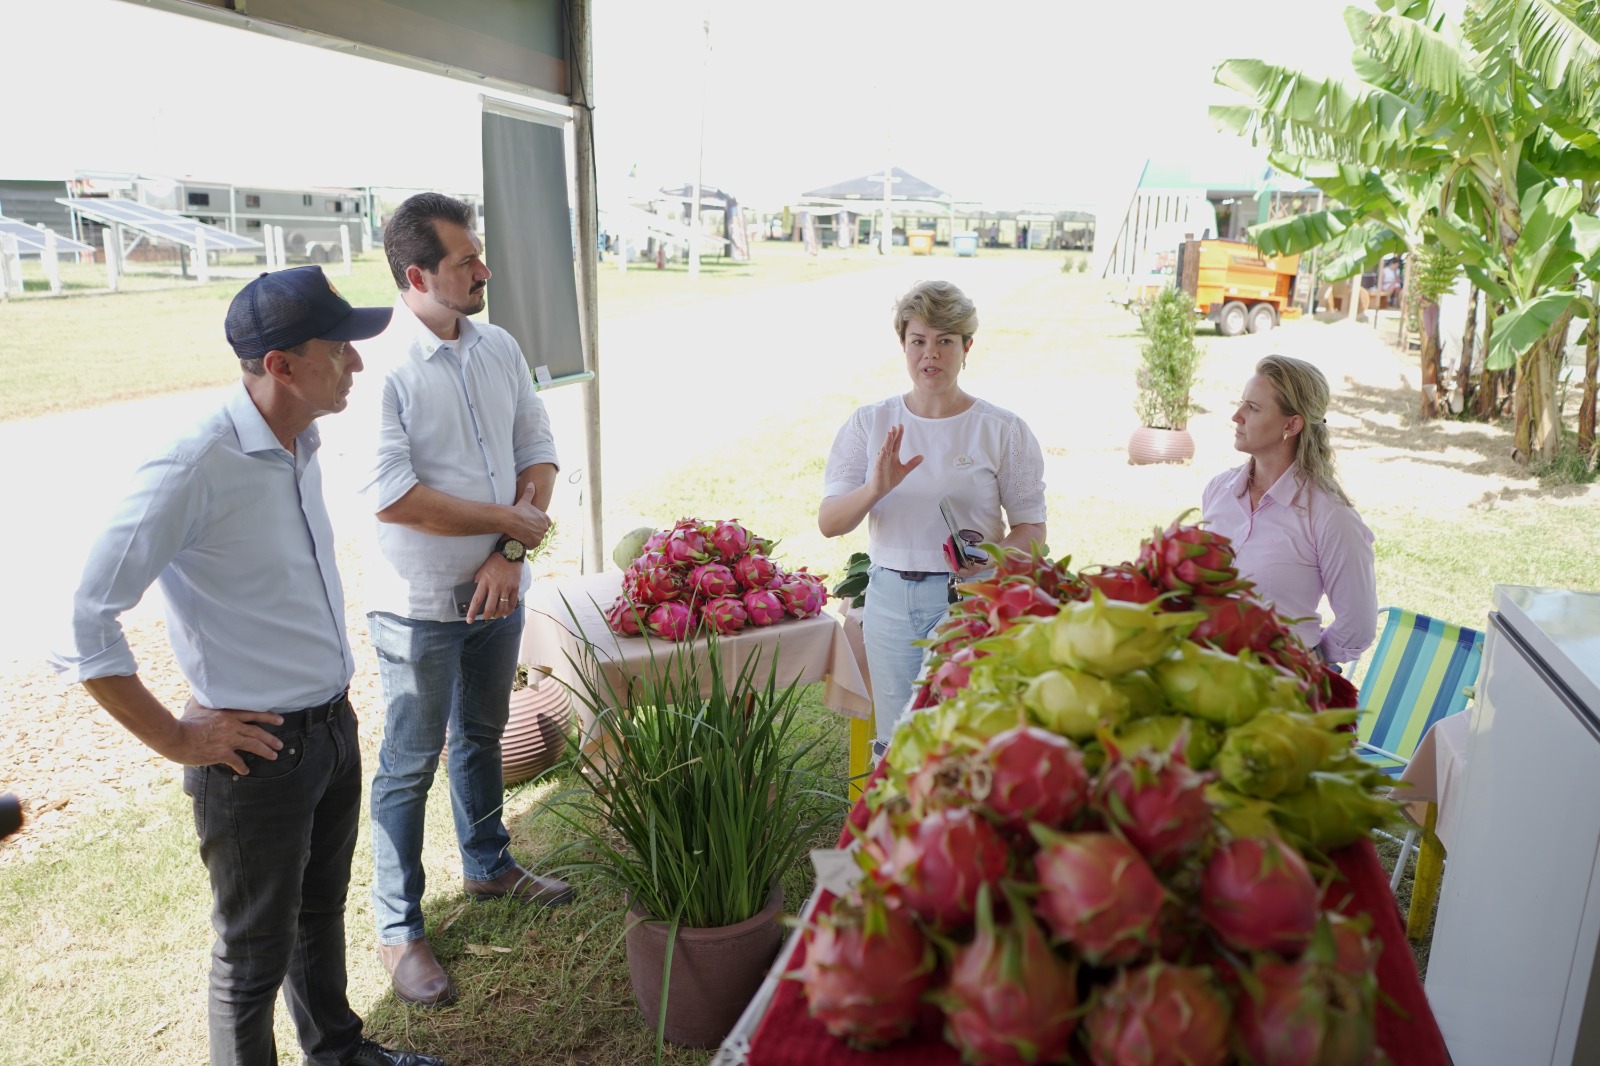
514,550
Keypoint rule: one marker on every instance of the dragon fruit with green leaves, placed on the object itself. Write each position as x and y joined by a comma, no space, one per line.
624,618
1191,560
1033,776
1317,1010
1098,894
1237,623
725,615
764,607
866,968
1156,801
1009,997
1158,1015
1226,690
1074,703
671,621
658,584
708,581
686,544
940,861
755,571
1256,894
730,540
1123,583
803,594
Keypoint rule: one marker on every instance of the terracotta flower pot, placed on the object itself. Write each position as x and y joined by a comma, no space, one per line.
715,972
1150,445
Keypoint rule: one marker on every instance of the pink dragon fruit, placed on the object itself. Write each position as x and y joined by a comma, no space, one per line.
1191,560
711,580
1009,998
686,544
803,593
656,541
1158,1015
623,618
1235,623
1304,1013
1256,894
730,540
1123,583
945,858
958,632
671,621
725,614
952,675
659,584
1034,776
755,571
1156,801
763,606
1098,894
866,968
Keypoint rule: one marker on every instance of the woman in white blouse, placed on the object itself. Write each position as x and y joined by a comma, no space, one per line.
892,463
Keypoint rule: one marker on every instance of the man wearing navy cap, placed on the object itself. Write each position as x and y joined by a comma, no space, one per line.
230,520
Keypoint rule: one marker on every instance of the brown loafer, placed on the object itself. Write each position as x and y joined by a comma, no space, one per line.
415,972
521,886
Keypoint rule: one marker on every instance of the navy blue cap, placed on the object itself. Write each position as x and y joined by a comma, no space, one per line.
288,307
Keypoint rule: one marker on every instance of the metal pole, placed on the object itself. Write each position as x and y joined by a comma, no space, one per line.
580,93
700,164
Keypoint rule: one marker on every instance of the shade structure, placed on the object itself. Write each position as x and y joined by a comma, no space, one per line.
870,187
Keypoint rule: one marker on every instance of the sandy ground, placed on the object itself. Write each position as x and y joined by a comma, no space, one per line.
67,760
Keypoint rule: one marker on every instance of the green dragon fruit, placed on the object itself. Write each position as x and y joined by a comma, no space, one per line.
1109,638
1275,752
1200,739
1073,703
1226,690
1336,807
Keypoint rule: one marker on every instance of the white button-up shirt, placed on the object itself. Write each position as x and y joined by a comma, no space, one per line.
234,528
461,417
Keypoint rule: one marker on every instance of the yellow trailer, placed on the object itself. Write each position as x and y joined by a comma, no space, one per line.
1235,286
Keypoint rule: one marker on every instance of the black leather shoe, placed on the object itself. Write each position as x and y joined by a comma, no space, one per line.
369,1053
518,884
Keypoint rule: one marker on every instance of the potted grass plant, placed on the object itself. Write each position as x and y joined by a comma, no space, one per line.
701,794
1165,379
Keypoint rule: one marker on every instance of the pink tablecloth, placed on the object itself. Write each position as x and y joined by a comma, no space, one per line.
1436,773
808,649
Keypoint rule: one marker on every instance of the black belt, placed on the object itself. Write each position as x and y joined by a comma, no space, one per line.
918,575
311,717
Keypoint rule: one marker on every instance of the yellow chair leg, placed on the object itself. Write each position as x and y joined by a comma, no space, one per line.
862,734
1430,871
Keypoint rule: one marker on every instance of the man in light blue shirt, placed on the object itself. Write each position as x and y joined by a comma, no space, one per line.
464,469
231,522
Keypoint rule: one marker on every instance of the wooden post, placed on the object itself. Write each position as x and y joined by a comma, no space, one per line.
52,261
202,261
344,248
580,92
108,241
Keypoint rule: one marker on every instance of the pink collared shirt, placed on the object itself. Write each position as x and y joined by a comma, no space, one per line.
1297,546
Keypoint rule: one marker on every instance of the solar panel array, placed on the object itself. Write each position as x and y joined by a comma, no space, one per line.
31,239
168,225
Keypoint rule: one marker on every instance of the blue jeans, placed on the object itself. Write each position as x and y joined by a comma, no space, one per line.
277,844
438,676
898,612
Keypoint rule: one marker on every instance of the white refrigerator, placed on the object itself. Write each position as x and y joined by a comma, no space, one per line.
1511,975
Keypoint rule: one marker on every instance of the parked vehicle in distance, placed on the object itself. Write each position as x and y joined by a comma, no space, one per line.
1235,286
310,217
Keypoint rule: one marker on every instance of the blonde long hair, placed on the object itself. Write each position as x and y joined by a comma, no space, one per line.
1302,390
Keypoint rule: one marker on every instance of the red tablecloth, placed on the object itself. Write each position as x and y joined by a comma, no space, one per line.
1406,1028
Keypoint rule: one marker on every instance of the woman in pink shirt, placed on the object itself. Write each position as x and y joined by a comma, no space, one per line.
1296,535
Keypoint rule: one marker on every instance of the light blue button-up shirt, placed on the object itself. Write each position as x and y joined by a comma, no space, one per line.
234,528
458,416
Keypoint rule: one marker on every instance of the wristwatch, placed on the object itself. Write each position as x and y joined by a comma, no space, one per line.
513,550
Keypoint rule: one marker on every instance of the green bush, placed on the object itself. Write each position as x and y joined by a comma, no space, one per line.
1170,358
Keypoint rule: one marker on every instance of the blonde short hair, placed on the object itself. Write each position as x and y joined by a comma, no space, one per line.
941,307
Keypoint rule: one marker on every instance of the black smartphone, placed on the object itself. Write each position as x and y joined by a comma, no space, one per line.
463,594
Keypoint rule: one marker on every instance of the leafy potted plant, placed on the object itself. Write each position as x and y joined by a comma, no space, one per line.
1165,379
701,795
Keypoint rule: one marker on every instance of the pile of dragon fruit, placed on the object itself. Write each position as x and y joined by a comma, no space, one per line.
1106,839
716,575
